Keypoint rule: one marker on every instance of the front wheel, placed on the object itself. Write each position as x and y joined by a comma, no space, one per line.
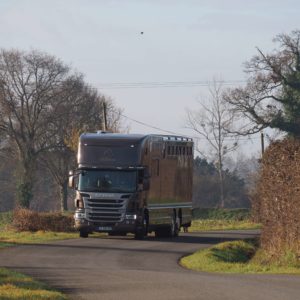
83,234
142,229
117,233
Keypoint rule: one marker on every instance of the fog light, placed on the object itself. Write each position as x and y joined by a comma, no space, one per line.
131,217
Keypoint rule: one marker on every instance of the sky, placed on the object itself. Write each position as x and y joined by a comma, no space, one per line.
182,42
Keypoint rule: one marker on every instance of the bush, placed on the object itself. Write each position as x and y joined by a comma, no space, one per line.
236,214
277,201
28,220
5,218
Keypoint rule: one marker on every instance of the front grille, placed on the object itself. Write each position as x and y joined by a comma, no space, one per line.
105,210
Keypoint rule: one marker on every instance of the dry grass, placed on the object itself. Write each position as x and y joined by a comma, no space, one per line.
28,220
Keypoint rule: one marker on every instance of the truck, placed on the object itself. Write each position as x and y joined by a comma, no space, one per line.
133,183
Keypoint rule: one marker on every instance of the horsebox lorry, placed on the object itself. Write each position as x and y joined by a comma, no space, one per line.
130,183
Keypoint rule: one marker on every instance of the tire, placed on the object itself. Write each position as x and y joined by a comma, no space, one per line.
142,230
177,227
161,232
171,230
83,234
117,233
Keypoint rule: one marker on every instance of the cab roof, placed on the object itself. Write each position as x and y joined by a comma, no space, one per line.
95,138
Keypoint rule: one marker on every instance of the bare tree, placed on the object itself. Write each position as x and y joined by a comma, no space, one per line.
81,112
29,83
44,107
211,123
271,97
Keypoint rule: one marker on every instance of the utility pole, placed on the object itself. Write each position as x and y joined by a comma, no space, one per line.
104,121
262,138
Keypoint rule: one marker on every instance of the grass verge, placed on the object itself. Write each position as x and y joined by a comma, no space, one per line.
12,237
14,285
240,257
213,224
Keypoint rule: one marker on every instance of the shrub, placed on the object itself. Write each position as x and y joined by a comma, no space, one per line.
28,220
237,214
278,198
5,219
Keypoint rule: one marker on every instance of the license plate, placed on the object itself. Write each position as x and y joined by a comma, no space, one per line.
105,228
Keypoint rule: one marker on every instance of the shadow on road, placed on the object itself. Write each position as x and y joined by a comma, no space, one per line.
199,240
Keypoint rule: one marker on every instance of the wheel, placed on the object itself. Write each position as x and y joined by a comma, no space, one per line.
161,232
83,234
171,230
177,227
117,233
142,230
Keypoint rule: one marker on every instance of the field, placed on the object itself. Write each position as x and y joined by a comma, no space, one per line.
221,219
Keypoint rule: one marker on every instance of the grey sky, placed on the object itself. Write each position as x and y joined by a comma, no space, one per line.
182,41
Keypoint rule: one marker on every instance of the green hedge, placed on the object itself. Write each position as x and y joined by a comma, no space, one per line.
238,214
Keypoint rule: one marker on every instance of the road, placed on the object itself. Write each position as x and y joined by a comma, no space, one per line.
123,268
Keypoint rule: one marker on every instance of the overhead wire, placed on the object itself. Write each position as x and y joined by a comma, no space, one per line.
176,133
168,84
164,84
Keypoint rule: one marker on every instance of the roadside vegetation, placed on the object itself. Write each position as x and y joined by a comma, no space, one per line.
27,227
222,219
270,99
24,226
240,257
14,285
12,237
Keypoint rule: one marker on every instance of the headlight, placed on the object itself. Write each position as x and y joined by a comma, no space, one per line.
79,215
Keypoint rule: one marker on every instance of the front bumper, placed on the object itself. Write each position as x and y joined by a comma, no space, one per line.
127,225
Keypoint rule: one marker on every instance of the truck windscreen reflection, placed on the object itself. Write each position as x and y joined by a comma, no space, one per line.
108,181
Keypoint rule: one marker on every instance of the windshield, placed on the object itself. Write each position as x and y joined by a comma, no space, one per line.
108,155
108,181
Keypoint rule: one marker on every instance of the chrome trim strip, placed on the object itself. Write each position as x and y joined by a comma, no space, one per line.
175,205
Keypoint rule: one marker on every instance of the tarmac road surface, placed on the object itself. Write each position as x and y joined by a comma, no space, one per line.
123,268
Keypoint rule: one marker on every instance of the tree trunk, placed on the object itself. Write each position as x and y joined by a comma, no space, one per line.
221,178
63,193
25,186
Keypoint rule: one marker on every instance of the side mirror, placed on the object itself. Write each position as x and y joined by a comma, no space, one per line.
71,182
